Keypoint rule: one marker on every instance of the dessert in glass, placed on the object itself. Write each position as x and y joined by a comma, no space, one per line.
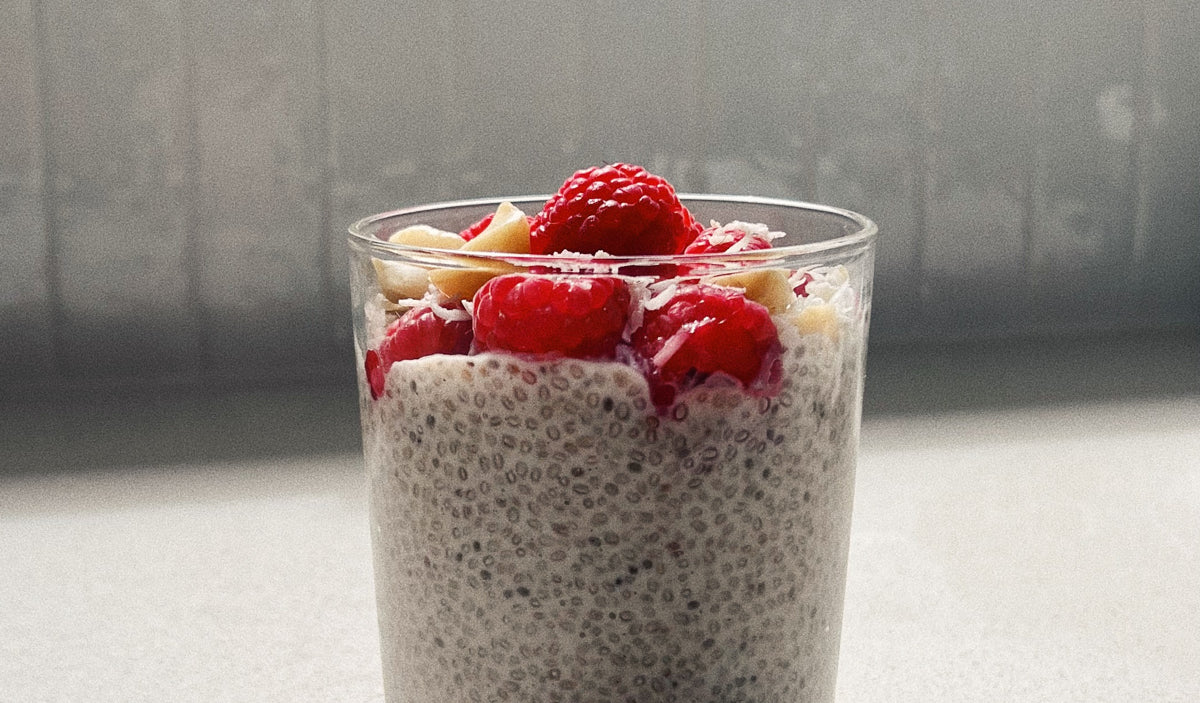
611,437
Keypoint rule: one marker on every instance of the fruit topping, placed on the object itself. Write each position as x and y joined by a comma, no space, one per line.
618,209
421,331
704,331
733,237
376,375
557,315
707,321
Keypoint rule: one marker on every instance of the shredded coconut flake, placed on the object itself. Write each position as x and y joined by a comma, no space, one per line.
376,320
660,299
749,227
450,315
672,345
639,293
739,245
844,300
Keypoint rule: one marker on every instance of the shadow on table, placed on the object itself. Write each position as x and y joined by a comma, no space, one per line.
1023,373
123,427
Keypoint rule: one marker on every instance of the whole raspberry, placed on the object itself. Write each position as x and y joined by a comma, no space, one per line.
419,332
620,209
558,315
717,239
706,330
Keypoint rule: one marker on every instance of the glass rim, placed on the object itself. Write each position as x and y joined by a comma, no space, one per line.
864,235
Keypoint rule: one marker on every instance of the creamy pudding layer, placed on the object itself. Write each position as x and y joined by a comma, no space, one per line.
543,533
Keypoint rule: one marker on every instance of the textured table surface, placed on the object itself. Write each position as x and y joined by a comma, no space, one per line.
1046,553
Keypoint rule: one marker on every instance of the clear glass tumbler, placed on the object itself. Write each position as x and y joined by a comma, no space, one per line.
631,526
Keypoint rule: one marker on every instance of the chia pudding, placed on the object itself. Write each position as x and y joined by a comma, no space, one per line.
554,528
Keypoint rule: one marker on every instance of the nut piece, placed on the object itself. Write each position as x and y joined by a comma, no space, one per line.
770,287
428,237
818,319
462,283
399,281
507,233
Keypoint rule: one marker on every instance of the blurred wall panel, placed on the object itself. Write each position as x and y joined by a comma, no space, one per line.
846,121
459,100
1087,197
390,77
512,112
116,144
980,118
398,79
817,102
463,99
176,177
1167,111
260,203
873,65
636,73
26,307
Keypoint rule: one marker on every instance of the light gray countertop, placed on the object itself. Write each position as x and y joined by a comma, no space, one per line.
1040,553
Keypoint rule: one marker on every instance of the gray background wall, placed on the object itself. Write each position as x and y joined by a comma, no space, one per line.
175,175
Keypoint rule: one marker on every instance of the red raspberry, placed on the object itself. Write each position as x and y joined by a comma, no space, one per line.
706,330
376,376
574,316
801,286
715,240
476,229
619,209
417,333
